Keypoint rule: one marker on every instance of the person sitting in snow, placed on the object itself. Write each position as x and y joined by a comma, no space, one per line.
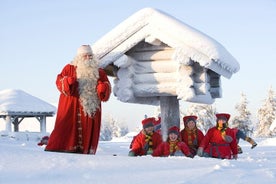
241,135
146,141
173,146
219,141
191,135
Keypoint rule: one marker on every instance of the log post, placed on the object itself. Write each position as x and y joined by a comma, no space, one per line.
43,124
8,123
169,106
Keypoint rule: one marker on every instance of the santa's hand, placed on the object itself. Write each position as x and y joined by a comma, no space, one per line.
103,91
71,80
101,87
235,157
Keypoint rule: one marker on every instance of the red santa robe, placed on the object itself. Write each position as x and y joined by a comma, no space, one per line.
76,131
215,146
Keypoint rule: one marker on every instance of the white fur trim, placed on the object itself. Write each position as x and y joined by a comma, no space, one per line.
87,76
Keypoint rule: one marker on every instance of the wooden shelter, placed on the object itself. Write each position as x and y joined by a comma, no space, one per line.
159,60
16,105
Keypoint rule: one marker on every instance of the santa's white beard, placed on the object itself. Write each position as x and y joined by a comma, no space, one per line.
87,77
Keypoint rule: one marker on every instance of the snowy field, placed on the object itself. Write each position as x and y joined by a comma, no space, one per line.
22,161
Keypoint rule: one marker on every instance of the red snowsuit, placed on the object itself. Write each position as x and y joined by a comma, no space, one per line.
196,137
139,143
164,149
215,146
75,131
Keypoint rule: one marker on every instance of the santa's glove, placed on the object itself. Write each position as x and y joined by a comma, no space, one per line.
235,157
103,90
131,154
71,80
199,152
101,87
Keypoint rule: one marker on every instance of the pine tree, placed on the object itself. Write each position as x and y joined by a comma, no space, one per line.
111,128
243,120
106,133
205,113
273,128
266,115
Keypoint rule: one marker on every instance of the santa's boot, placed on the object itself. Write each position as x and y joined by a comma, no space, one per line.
239,150
251,141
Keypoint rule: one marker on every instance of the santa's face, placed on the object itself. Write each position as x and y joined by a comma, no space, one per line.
87,56
85,61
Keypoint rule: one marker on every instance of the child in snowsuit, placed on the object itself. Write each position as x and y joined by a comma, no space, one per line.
146,141
191,135
173,146
219,141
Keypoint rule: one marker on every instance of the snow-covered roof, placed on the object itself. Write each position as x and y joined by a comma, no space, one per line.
150,25
18,102
152,54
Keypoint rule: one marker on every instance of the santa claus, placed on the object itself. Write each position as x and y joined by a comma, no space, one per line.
82,85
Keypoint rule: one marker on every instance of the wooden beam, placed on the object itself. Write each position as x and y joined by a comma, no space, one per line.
165,66
151,90
155,78
152,55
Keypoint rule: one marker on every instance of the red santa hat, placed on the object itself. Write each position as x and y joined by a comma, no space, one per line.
148,122
84,49
186,119
173,129
224,116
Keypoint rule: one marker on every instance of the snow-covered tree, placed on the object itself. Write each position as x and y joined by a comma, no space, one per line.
266,115
205,113
243,120
112,128
106,133
273,128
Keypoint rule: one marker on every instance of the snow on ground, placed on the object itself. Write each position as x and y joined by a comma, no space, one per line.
22,161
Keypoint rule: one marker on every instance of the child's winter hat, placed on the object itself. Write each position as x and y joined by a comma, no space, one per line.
173,129
186,119
148,122
224,116
84,49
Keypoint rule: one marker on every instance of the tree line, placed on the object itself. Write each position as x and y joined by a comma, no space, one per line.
265,126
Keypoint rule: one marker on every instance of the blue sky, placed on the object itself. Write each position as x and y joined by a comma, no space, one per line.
38,37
